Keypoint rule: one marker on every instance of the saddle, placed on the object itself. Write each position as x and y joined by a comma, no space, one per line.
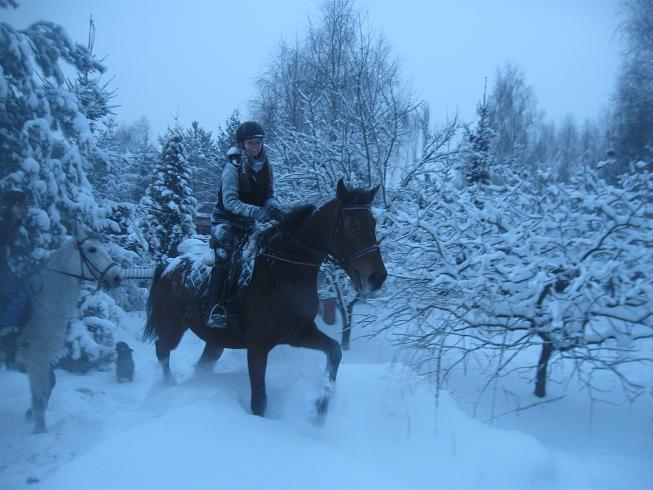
237,281
241,269
195,267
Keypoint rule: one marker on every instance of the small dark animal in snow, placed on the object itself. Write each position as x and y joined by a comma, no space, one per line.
124,363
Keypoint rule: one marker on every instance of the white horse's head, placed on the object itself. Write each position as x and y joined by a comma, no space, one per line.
96,263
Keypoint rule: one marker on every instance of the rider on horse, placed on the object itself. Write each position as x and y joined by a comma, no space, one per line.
246,195
14,297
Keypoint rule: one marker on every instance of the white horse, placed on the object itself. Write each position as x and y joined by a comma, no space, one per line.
54,292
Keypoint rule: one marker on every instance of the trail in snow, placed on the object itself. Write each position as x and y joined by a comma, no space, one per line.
383,430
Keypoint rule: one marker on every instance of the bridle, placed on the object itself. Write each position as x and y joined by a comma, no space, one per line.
97,274
343,263
364,251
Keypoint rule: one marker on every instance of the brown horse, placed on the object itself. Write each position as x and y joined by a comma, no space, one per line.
281,301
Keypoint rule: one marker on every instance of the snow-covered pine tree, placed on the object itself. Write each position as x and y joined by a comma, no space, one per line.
168,200
202,162
47,145
45,137
135,140
226,136
129,155
477,152
93,94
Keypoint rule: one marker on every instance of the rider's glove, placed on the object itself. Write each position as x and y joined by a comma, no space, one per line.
262,215
275,213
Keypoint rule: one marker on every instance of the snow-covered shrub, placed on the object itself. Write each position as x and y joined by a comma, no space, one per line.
565,268
90,340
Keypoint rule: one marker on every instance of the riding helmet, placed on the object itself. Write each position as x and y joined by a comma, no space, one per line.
249,130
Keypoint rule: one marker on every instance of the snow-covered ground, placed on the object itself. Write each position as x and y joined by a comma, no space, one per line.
383,429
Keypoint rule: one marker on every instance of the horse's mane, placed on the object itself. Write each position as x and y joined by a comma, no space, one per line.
289,223
291,220
295,217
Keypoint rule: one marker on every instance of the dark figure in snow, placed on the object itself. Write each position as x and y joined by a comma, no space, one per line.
13,297
246,195
124,363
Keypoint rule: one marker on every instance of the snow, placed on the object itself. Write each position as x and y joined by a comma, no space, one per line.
384,429
31,165
194,250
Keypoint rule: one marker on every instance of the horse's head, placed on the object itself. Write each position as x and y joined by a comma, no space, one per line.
96,262
355,245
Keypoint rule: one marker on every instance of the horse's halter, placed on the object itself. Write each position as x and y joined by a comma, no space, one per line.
96,273
344,263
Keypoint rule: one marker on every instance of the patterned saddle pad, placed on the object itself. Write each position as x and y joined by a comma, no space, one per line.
196,260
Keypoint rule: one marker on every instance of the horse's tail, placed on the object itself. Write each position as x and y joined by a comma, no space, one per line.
157,302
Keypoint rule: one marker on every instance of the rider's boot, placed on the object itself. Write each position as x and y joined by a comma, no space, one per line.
218,315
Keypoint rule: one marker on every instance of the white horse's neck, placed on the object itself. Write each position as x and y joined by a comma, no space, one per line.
66,257
54,297
63,262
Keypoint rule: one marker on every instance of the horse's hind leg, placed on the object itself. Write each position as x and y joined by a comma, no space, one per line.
42,381
313,338
210,356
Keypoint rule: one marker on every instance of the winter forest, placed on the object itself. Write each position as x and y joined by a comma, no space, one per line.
510,346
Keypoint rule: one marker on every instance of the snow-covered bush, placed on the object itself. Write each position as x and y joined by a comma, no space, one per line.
530,262
90,339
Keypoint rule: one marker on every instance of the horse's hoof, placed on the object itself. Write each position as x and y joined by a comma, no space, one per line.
39,429
322,405
29,414
258,406
203,370
170,381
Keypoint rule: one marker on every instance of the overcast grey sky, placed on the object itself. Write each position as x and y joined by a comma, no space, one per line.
198,58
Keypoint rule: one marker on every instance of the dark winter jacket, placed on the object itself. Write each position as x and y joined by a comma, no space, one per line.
243,191
8,235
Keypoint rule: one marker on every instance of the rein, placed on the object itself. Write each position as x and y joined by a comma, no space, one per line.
342,263
82,260
96,273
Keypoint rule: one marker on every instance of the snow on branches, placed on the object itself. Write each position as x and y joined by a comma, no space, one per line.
566,267
169,201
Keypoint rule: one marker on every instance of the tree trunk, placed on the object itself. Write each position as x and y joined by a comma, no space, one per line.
542,366
346,326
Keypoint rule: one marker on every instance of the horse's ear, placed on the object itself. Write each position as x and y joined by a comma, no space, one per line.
372,192
341,190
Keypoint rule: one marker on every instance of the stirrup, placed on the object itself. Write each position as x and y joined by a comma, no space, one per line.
217,317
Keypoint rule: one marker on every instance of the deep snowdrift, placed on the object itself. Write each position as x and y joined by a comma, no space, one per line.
383,430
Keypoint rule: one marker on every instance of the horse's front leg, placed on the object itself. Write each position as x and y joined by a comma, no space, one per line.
41,381
257,360
314,338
